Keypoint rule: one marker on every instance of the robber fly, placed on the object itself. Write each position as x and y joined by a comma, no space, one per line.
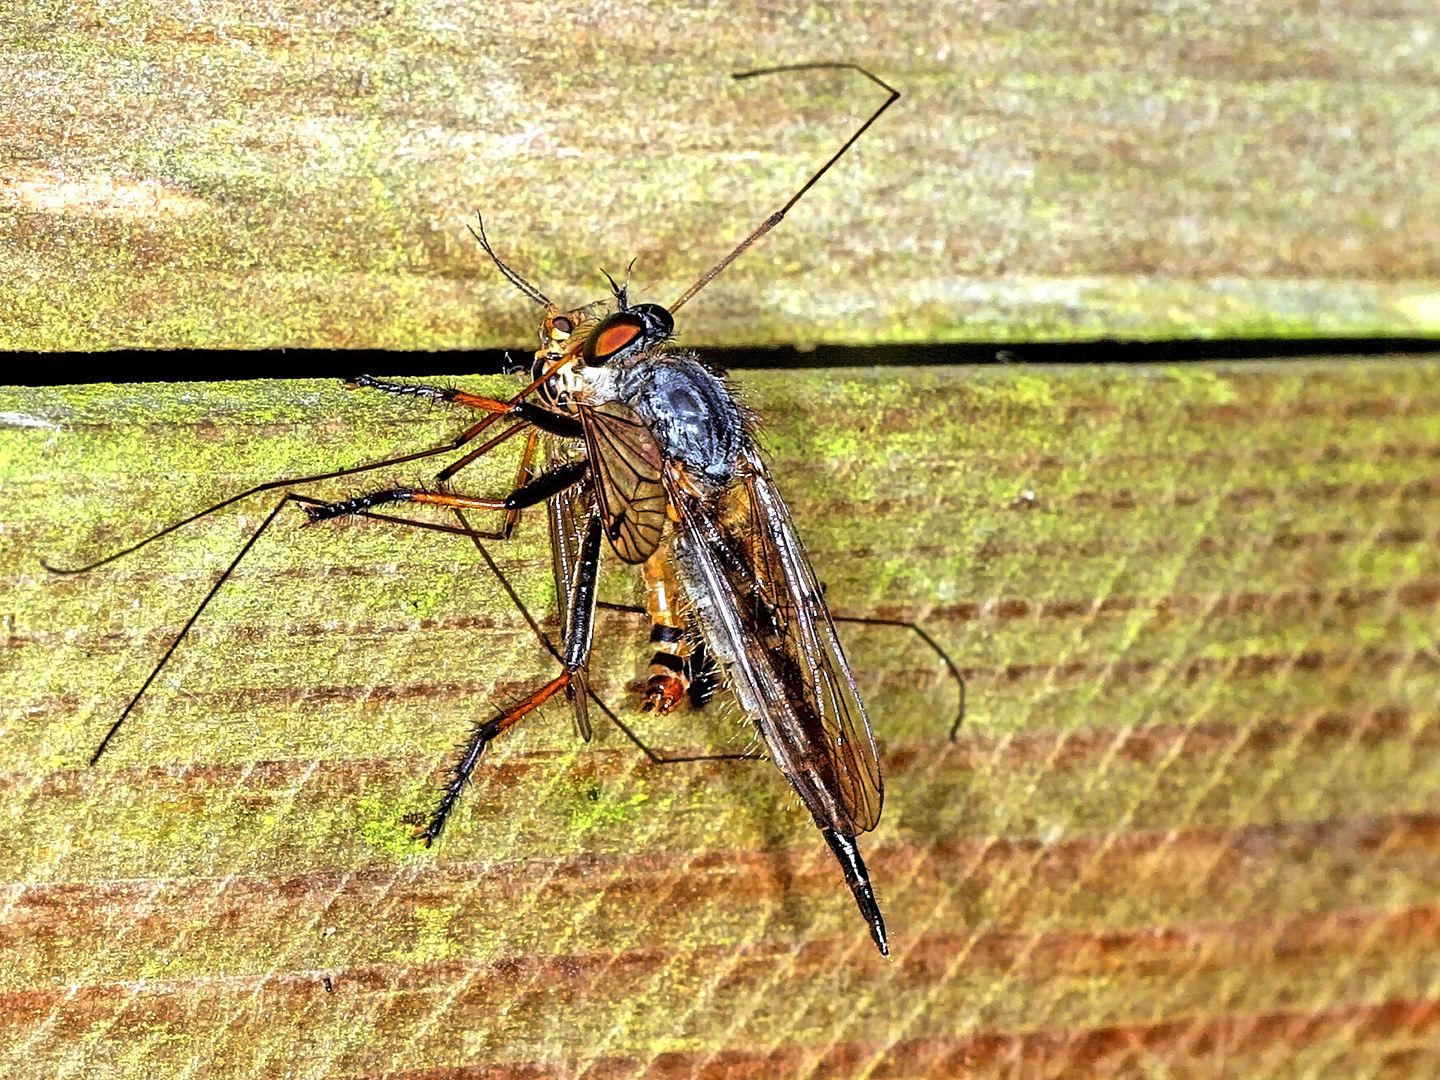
650,453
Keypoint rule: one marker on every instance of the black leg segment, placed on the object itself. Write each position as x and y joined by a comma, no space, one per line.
547,484
358,505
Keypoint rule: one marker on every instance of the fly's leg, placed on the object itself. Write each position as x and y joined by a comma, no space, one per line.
184,630
528,494
563,515
274,485
429,392
665,757
526,416
288,497
516,408
480,739
578,633
574,653
934,645
580,609
704,679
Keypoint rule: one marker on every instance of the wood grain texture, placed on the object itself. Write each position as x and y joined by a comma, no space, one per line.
300,174
1191,827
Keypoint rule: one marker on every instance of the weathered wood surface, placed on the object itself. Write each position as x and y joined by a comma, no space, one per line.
1191,827
298,174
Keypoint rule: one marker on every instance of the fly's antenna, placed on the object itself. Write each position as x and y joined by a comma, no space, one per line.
622,292
779,215
515,279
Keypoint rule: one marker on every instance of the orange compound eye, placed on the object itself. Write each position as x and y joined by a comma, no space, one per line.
610,337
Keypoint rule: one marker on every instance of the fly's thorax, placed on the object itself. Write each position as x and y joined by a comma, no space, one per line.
691,413
572,384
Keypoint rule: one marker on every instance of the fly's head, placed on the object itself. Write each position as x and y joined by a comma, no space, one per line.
633,331
621,339
591,343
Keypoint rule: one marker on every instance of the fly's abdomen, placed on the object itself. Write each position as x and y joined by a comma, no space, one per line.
670,669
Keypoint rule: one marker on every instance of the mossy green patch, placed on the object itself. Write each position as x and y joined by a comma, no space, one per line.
1203,386
318,192
388,819
425,936
596,806
1199,662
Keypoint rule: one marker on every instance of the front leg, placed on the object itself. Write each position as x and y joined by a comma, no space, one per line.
517,408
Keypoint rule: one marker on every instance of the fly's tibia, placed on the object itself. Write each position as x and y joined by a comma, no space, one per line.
358,505
368,382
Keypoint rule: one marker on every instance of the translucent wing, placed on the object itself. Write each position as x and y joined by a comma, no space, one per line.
566,513
765,620
626,464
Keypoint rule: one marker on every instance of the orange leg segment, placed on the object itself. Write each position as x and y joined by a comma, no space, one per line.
459,502
480,451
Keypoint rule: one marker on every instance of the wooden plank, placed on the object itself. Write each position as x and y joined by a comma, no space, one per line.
301,175
1191,826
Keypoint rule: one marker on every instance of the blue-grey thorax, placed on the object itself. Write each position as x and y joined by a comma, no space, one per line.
689,411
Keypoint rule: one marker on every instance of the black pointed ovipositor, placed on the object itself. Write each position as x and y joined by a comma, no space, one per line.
858,878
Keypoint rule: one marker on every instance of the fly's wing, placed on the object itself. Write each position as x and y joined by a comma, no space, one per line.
765,620
626,465
566,513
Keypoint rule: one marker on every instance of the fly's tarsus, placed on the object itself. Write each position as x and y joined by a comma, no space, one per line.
480,739
421,390
924,636
357,505
214,589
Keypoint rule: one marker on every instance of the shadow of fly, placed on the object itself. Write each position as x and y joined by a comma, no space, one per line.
634,444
